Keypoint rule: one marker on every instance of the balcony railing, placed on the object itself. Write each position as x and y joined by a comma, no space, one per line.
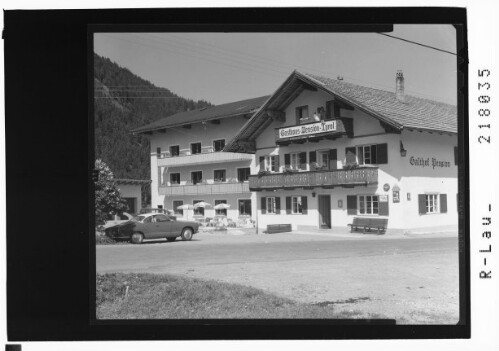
329,178
204,189
314,131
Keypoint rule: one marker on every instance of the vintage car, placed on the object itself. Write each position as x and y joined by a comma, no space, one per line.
153,226
115,219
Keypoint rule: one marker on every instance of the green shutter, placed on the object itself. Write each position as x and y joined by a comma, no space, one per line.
422,203
329,109
288,204
374,154
287,160
304,205
443,203
350,155
297,112
351,204
264,205
262,163
382,154
383,207
278,205
333,157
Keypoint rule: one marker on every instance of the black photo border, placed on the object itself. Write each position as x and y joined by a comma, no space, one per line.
49,163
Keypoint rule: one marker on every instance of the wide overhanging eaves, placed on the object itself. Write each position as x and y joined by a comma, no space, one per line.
284,95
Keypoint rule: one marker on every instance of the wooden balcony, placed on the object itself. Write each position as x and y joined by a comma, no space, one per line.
314,131
204,189
326,179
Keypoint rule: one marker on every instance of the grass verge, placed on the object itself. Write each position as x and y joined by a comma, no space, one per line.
152,296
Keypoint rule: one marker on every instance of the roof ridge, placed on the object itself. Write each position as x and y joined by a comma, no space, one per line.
313,76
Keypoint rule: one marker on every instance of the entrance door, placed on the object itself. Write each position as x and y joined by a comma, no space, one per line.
324,211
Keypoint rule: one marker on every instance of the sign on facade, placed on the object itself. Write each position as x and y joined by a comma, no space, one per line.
308,129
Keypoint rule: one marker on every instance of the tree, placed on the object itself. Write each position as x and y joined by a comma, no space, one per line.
107,197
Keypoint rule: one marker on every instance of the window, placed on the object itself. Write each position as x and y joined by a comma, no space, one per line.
324,159
176,204
195,148
200,210
196,177
244,207
367,154
368,204
431,203
162,218
296,160
243,174
272,163
221,212
219,175
218,145
158,152
175,178
174,150
301,114
271,205
296,207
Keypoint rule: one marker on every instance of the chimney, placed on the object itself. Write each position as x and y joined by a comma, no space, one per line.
399,86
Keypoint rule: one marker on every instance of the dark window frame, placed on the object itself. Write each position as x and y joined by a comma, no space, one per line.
174,174
215,143
192,148
172,148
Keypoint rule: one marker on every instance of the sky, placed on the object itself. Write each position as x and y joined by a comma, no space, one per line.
226,67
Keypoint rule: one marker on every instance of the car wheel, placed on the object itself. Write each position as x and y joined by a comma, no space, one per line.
137,238
186,234
172,239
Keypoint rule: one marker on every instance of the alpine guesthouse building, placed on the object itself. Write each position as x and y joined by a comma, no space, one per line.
315,154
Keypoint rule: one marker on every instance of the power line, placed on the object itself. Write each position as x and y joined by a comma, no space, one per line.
416,43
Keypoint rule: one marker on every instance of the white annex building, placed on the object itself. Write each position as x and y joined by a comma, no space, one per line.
316,154
188,165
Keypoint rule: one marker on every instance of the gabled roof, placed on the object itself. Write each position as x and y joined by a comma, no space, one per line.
232,109
414,113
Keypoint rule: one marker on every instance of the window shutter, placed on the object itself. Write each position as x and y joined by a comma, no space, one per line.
336,110
374,154
422,203
382,154
351,204
287,160
297,111
303,160
262,163
333,156
443,203
383,207
312,156
455,155
304,205
350,155
288,204
277,205
360,155
275,163
264,205
329,109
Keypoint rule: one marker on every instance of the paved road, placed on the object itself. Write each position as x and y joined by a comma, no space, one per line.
409,278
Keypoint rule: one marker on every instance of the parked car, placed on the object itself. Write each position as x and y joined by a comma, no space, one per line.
153,226
117,219
155,210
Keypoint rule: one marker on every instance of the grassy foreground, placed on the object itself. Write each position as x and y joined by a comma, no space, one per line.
153,296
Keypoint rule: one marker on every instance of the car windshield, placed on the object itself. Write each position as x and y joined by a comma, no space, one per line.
138,218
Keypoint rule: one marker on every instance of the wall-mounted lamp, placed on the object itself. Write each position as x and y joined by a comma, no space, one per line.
313,193
403,151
